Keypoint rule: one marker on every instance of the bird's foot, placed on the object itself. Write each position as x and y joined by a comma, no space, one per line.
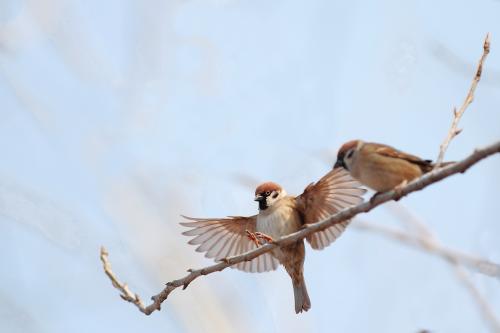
372,199
257,236
253,237
265,237
399,190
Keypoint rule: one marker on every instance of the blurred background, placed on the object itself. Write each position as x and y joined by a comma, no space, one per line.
118,116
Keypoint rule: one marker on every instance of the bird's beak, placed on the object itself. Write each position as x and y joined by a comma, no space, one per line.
339,164
259,198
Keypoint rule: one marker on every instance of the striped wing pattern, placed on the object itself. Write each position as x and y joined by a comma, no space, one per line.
334,192
226,237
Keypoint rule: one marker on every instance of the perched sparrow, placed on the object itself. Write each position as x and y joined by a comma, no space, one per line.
279,215
380,167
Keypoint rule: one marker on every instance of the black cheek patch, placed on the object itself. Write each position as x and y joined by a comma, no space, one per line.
275,195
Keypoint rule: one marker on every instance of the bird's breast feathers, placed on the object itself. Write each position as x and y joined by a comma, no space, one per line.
279,220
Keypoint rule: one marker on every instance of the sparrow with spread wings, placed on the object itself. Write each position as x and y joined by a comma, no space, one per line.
279,215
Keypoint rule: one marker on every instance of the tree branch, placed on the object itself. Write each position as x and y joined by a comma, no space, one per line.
416,185
484,306
455,258
125,292
457,115
427,241
430,245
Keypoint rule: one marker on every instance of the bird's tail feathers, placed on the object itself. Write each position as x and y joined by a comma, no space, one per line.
442,165
302,301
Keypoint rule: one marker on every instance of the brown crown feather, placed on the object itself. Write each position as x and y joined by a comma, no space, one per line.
347,146
267,186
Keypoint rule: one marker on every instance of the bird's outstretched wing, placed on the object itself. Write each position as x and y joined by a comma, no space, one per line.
226,237
332,193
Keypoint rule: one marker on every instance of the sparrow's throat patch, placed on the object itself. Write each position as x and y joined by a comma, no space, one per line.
263,204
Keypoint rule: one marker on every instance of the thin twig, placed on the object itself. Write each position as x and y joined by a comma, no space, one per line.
455,258
126,293
407,217
429,245
457,114
416,185
484,306
428,242
427,237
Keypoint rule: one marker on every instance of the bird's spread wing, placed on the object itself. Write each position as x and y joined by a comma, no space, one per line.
332,193
226,237
394,153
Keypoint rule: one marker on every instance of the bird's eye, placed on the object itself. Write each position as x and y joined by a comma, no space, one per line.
349,153
268,192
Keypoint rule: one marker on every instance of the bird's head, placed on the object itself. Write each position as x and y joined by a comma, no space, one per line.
346,154
267,194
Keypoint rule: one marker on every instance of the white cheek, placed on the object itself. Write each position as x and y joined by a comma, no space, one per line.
271,200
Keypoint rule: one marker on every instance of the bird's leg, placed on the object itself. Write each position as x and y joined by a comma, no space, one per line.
372,199
265,237
398,189
253,237
256,236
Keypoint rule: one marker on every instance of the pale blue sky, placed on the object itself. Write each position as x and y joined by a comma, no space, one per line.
119,116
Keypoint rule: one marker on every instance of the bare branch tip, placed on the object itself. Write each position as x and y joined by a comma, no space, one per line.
457,114
487,43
